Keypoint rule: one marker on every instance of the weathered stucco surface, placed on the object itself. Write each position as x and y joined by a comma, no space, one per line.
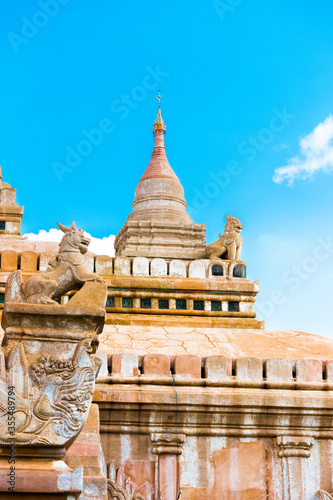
214,341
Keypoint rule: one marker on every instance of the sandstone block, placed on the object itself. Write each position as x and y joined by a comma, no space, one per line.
279,370
89,260
136,303
44,259
140,266
172,303
104,265
177,269
91,425
91,461
9,260
103,371
154,303
309,370
156,364
158,267
329,371
249,369
122,266
29,261
84,449
218,367
188,366
94,488
125,364
197,269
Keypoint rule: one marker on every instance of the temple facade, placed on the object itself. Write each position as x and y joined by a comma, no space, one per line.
194,396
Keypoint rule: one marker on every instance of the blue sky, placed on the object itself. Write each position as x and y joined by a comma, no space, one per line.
242,82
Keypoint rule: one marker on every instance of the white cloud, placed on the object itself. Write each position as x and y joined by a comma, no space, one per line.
316,154
99,246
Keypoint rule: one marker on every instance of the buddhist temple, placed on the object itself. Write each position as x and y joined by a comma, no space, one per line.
194,397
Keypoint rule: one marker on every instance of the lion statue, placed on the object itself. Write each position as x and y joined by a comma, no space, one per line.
228,246
68,272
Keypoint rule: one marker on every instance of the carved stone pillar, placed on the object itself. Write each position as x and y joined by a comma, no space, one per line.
294,451
167,447
47,374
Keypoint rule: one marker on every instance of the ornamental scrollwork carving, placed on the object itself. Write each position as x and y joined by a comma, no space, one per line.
121,487
51,398
323,495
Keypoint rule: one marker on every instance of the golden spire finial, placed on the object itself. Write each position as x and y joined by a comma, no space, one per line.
159,123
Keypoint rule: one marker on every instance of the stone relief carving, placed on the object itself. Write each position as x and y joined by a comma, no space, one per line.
228,246
52,397
48,350
65,274
121,487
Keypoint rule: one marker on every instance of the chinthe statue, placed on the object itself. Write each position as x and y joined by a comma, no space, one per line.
68,272
228,246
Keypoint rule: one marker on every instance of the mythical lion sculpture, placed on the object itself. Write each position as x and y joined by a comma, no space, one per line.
68,272
228,246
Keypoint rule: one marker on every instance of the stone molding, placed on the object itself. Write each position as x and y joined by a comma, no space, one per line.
167,443
294,446
166,240
264,414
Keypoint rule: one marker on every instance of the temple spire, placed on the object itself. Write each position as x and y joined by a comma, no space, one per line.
159,225
159,123
159,167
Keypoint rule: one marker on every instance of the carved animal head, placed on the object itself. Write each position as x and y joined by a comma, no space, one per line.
233,224
73,239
